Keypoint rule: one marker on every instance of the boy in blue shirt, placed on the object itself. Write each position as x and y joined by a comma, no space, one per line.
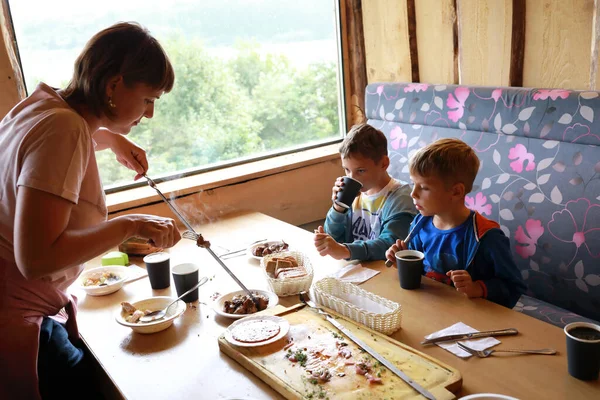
461,247
379,215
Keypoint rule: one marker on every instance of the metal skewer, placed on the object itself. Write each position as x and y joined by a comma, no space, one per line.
194,236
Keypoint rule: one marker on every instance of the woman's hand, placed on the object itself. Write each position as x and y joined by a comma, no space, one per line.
161,231
128,153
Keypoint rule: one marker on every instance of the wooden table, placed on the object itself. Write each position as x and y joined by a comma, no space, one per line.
184,361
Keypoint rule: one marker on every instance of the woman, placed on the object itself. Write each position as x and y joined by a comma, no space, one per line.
52,211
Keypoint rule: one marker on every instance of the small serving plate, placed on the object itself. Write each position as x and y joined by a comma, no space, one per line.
219,303
152,304
109,287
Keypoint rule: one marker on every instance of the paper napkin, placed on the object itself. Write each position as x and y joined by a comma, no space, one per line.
354,273
458,328
134,273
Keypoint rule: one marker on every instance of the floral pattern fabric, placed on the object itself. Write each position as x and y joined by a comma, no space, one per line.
539,178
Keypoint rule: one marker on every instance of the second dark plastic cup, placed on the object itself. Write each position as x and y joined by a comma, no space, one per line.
158,267
185,277
349,191
410,268
583,350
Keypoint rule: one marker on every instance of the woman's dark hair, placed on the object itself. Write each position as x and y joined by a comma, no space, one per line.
125,49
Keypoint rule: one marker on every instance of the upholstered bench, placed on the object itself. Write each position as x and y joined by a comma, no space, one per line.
539,176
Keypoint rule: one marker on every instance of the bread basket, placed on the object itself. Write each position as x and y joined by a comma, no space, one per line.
382,315
289,286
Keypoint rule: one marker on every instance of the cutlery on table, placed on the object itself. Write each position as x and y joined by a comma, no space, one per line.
159,314
487,353
368,349
472,335
241,251
191,234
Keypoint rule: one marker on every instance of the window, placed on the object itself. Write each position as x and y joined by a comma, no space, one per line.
253,77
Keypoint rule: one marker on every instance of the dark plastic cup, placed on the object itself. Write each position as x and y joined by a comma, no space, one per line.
185,277
349,191
410,268
583,350
158,267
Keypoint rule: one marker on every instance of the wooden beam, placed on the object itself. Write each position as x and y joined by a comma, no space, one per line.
11,76
595,44
517,43
353,52
412,40
457,44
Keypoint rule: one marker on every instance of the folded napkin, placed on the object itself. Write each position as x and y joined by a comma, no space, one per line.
134,273
458,328
354,273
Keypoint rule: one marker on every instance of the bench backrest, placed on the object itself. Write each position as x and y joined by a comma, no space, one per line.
539,178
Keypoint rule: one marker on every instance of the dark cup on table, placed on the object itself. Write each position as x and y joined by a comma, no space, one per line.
185,277
583,350
348,192
410,268
158,267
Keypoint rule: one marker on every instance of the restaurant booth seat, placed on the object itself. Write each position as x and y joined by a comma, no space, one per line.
539,177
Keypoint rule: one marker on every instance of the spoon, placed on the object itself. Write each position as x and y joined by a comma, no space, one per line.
159,314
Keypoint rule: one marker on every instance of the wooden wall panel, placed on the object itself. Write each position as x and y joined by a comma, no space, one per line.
387,46
484,41
557,43
435,41
594,64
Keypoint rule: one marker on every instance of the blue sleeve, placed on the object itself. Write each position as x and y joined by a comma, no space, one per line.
396,216
506,284
336,225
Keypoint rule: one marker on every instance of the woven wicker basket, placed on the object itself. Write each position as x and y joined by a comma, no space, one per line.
289,286
330,292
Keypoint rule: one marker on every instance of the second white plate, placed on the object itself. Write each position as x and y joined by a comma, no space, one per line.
219,303
284,327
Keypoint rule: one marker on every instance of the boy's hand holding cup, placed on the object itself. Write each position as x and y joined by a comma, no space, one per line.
344,191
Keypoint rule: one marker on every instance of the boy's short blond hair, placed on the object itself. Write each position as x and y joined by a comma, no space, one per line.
365,140
451,160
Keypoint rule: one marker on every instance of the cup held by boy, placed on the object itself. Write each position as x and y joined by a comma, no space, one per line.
450,235
379,215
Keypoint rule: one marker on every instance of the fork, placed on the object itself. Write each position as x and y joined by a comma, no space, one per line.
487,353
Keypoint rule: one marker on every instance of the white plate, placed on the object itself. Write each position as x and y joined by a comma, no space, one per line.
284,327
219,303
488,396
153,304
250,249
96,290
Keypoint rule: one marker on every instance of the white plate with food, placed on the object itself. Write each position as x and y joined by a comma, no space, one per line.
257,330
129,314
260,249
103,280
238,305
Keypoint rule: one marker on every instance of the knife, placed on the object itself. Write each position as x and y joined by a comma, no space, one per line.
472,335
378,357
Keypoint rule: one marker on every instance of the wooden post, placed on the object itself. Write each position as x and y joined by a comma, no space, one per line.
595,43
412,40
354,62
517,43
11,77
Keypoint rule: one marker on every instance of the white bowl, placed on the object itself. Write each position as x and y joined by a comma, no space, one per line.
219,303
153,304
112,287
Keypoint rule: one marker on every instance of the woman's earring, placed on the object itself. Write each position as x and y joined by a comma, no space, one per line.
111,104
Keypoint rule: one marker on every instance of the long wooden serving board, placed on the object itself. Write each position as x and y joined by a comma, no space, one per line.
314,340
